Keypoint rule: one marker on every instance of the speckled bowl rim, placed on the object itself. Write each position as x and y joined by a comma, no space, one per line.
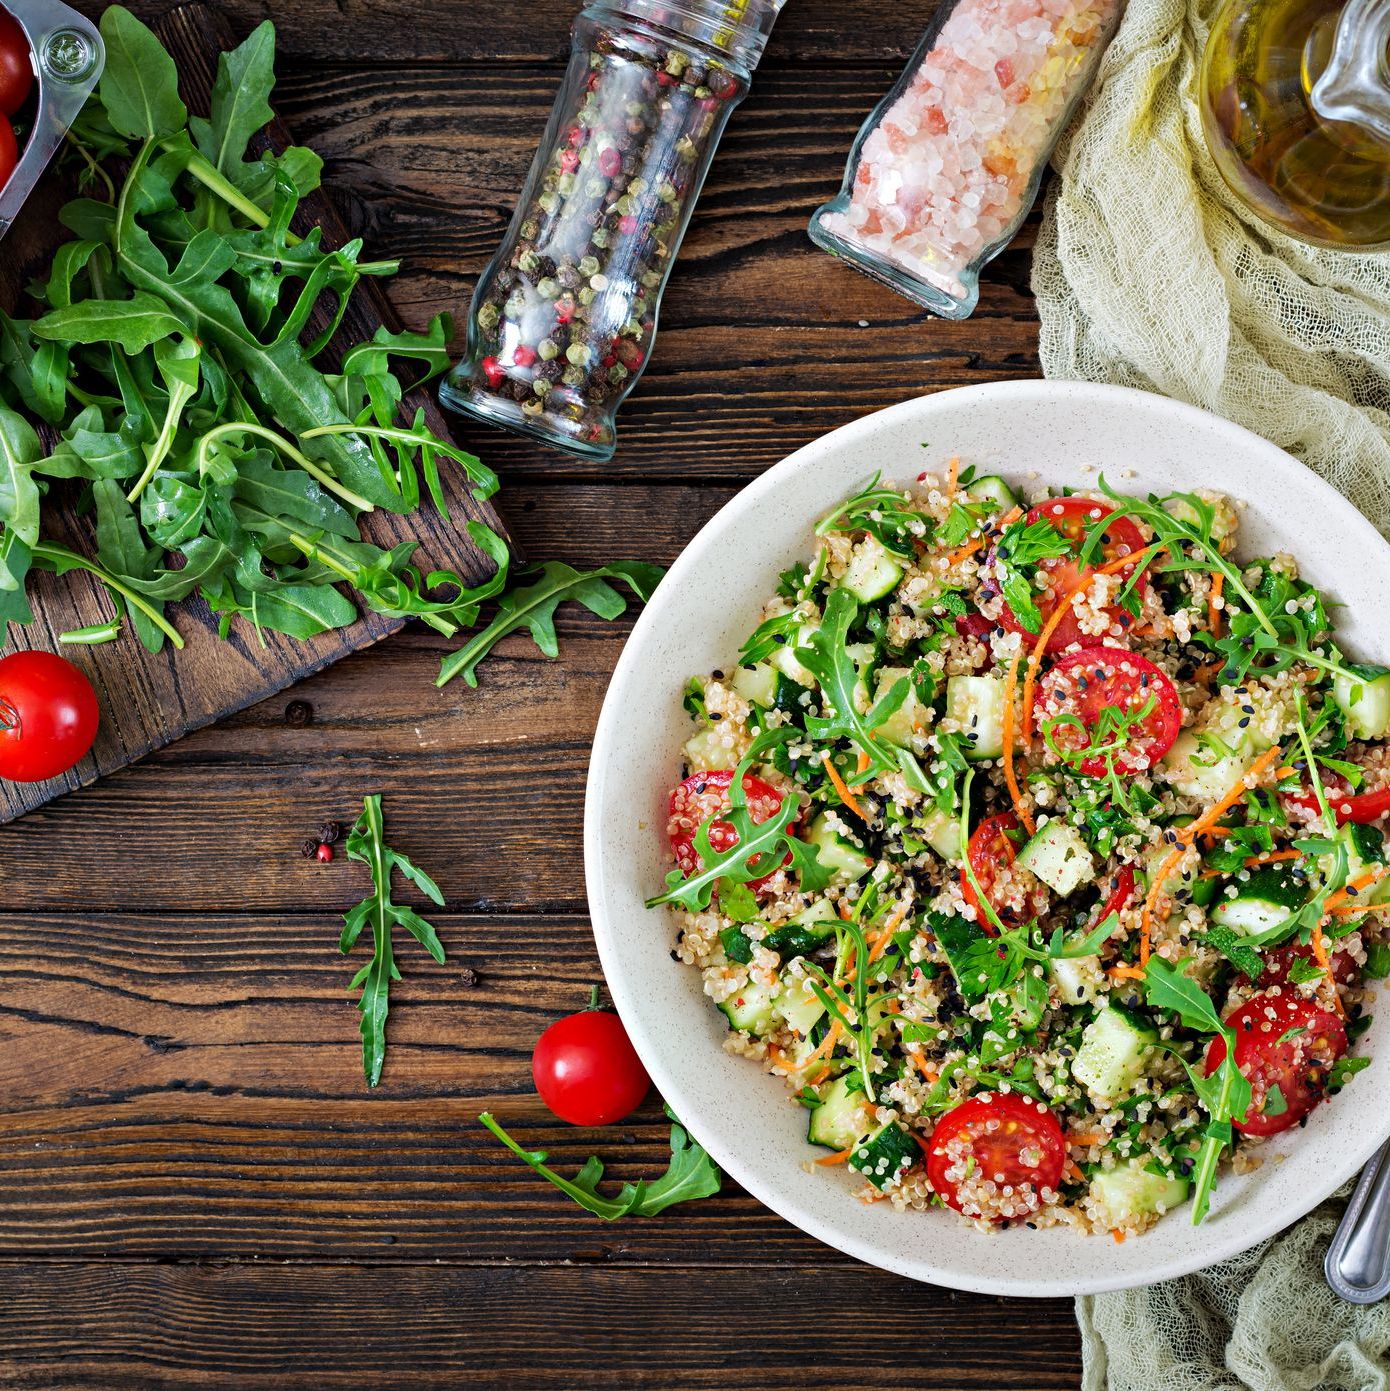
621,818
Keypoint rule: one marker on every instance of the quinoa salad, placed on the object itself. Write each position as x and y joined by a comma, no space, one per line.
1038,846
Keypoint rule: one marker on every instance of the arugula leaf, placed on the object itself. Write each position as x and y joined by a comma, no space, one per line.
1344,1069
1022,544
768,636
19,494
139,86
240,101
882,513
533,608
692,1175
366,844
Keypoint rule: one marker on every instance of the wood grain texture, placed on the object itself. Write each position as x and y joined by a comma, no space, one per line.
317,1326
150,700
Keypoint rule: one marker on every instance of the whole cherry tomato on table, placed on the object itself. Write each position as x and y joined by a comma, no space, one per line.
16,65
48,716
587,1070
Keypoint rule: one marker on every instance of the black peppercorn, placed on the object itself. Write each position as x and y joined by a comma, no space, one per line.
329,832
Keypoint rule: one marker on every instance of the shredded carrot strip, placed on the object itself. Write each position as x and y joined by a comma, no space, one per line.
1204,674
837,1158
1151,901
886,935
1353,887
1118,1235
1284,772
826,1044
1328,985
922,1066
973,545
863,765
954,477
1010,775
1218,583
1096,1137
846,796
1126,972
1073,1171
778,1058
821,1073
1273,857
1347,910
1059,612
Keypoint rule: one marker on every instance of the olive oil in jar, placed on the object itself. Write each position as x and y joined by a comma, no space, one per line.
1296,111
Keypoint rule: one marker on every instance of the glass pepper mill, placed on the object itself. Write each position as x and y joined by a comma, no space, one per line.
1296,113
562,320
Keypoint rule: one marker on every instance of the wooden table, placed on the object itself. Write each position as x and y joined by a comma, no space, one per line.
197,1187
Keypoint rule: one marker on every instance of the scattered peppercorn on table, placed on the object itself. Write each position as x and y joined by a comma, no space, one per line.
198,1187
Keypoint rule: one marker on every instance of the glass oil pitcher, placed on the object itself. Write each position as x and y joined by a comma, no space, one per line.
1296,111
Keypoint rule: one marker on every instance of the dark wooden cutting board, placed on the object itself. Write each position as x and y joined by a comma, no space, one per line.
148,701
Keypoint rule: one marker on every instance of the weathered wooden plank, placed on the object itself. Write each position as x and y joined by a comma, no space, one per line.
317,32
802,1328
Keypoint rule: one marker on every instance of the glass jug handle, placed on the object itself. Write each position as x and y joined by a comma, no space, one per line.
1355,84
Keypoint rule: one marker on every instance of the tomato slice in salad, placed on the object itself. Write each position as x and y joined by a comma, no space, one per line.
1015,895
1347,806
703,795
1284,1048
1279,961
996,1155
1144,716
1073,517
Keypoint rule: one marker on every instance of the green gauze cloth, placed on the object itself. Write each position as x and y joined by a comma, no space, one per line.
1265,1321
1149,273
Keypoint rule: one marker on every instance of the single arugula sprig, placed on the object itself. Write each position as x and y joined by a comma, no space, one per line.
1225,1095
1107,738
692,1174
828,659
769,635
1261,636
533,607
1021,546
762,846
883,513
367,845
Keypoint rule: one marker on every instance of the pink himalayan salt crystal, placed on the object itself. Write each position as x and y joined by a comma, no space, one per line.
944,174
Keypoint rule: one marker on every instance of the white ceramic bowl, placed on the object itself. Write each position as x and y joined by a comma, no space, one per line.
1035,432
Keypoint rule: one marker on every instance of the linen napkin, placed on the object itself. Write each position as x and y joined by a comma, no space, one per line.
1149,273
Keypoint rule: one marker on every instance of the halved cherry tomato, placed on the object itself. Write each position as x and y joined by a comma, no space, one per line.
1269,1057
977,626
992,1143
48,715
587,1070
1360,807
701,796
1073,517
1080,685
1121,893
9,152
1014,894
16,69
1278,962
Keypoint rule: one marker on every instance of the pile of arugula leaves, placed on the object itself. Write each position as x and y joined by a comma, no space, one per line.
172,357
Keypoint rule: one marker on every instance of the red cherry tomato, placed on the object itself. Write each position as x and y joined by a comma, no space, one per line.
701,796
995,1156
1360,807
1015,895
977,626
1278,962
587,1070
1081,685
1121,893
16,68
1269,1058
48,716
9,152
1073,517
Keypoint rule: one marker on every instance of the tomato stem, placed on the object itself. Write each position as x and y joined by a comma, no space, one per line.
593,997
9,716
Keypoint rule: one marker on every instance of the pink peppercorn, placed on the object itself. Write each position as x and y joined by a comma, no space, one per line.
610,360
1004,71
627,225
492,370
569,161
524,356
609,162
564,311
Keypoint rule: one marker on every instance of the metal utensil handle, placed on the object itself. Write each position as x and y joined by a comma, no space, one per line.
1358,1261
68,56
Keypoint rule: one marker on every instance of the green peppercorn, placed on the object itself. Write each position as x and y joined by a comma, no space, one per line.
541,387
676,62
532,406
617,372
547,288
564,185
637,187
573,376
586,296
530,229
489,316
577,354
547,349
600,238
588,265
686,148
549,202
529,262
667,191
651,279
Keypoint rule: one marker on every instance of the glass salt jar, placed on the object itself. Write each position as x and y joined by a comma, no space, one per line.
948,164
562,319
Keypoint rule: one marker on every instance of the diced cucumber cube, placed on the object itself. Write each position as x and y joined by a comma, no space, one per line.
837,852
1114,1050
872,571
809,930
1267,897
942,833
757,684
1129,1190
992,489
976,705
784,657
910,718
750,1010
842,1119
705,753
1079,979
1059,856
1366,704
1201,772
799,1006
885,1154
